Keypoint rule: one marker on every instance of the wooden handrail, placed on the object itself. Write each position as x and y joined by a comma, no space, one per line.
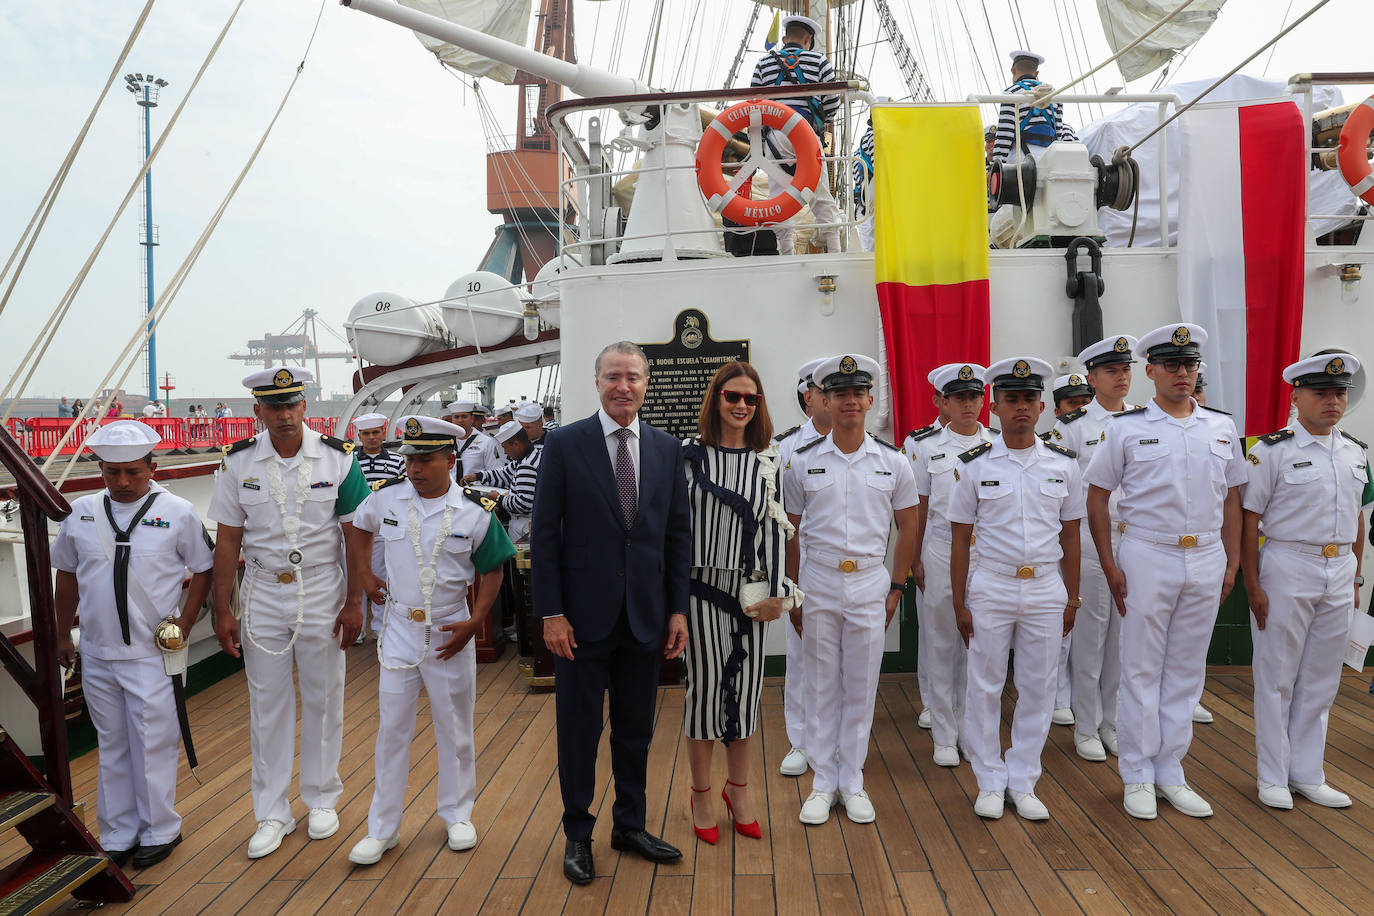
30,481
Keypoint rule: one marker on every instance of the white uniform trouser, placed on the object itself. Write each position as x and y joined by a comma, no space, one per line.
794,682
843,622
269,616
378,569
823,207
946,659
1172,596
135,718
1297,661
1095,653
451,687
1063,692
1026,615
867,232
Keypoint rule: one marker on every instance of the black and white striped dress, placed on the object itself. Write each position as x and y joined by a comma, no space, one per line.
739,529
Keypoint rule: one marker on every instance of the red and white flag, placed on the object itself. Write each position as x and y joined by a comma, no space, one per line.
1241,234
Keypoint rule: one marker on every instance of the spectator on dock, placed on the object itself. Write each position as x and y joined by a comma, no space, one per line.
64,409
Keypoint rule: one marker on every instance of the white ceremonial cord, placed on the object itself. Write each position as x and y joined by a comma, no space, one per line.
291,527
428,579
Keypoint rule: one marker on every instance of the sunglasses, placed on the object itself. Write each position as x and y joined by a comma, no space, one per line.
734,397
1173,365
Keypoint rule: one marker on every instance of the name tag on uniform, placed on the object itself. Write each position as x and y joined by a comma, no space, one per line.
1146,441
457,535
989,483
815,470
1055,479
390,521
1303,464
88,518
937,457
321,484
1224,441
883,473
251,483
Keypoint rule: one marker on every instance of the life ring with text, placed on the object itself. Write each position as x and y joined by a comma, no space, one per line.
1353,154
792,196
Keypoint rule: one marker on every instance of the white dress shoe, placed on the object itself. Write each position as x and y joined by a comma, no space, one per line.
1062,716
369,849
858,808
1275,796
323,823
988,805
1089,747
1201,714
816,808
1321,795
795,763
925,719
268,837
946,755
1029,807
1140,801
1107,735
1185,800
461,836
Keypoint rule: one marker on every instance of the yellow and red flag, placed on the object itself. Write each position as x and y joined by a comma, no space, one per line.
930,247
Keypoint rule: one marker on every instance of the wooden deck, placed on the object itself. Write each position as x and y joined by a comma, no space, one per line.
927,852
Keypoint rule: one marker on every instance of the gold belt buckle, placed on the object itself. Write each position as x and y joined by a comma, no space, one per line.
417,614
1025,572
1187,540
286,578
1120,527
972,539
1330,550
848,566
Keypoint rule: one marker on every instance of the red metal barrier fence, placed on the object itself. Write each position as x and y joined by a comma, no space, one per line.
39,436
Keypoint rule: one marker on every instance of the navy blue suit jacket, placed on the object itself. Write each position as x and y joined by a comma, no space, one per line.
586,564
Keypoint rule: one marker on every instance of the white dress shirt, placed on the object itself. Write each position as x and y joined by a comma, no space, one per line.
933,460
846,501
1307,489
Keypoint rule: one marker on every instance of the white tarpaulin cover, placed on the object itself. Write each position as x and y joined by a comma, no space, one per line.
1123,21
1327,191
508,19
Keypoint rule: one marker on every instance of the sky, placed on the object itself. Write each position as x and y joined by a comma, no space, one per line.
373,179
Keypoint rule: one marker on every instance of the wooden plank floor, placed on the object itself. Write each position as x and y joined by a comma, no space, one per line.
927,852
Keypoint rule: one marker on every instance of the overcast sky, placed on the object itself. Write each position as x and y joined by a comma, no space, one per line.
374,177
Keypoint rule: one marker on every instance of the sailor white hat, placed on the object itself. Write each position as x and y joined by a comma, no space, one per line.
1021,52
369,421
1326,370
1024,373
811,25
1119,348
507,430
1073,385
505,410
279,384
461,406
952,377
529,412
1201,378
122,440
848,370
1173,341
420,435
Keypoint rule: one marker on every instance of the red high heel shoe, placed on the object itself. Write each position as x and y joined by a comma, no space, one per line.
708,834
753,831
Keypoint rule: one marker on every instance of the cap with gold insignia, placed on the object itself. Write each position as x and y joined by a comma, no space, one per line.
507,431
1072,385
1108,350
848,370
954,377
1020,373
1326,370
529,412
123,440
808,23
370,421
804,375
1021,53
461,406
279,384
421,435
1174,341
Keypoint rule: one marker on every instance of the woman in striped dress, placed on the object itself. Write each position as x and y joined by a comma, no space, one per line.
739,534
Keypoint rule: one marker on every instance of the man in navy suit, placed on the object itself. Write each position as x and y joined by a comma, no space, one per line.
611,547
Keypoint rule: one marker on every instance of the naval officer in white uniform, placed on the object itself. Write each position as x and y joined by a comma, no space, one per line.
123,553
1308,486
1179,467
1024,499
436,536
281,497
476,451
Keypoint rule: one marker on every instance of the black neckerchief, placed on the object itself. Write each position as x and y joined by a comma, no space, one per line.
121,561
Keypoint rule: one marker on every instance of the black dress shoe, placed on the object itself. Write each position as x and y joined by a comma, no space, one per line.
577,862
644,844
151,855
121,857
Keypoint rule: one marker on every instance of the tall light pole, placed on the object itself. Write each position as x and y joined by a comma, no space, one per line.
145,88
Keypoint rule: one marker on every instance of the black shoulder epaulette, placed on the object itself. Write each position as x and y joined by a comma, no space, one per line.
1074,415
339,445
785,433
885,443
1127,413
388,482
1215,409
1054,447
1350,437
485,502
1276,437
975,452
1045,436
238,446
918,434
812,444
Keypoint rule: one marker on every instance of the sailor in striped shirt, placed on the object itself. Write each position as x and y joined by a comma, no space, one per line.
518,500
1039,126
379,463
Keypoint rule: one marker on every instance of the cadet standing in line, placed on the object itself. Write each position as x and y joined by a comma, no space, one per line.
436,536
960,397
1179,467
817,426
378,463
1024,499
842,494
281,497
1308,487
476,451
1094,653
123,552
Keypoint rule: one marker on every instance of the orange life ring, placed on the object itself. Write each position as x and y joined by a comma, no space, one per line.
752,115
1353,155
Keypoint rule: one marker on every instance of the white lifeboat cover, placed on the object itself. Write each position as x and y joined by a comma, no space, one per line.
505,19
